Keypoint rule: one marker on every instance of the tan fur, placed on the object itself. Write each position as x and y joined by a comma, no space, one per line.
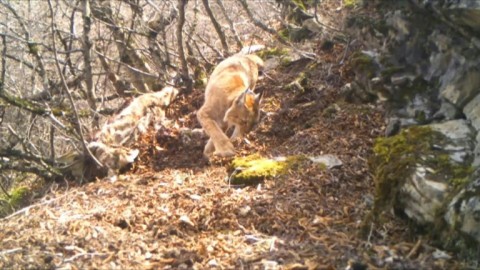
230,101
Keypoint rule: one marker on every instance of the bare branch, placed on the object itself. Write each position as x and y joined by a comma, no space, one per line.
217,27
126,47
86,150
19,19
23,62
230,23
261,25
4,63
68,47
143,73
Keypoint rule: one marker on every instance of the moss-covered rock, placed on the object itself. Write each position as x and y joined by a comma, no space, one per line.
363,63
396,158
425,172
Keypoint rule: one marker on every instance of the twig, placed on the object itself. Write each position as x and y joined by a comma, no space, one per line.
262,26
345,52
370,235
52,143
217,52
230,23
201,54
126,65
414,249
4,63
2,187
217,27
13,250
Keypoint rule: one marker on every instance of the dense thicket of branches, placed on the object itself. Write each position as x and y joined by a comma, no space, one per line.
68,65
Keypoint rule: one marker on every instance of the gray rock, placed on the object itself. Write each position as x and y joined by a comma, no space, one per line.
454,129
400,23
425,190
272,63
464,210
464,12
312,25
441,48
421,196
438,64
251,49
447,111
472,111
330,161
476,152
460,86
393,127
460,149
192,137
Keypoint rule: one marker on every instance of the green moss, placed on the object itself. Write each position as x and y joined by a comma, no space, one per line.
269,53
254,168
301,4
284,33
390,71
299,83
200,77
395,159
363,63
18,198
33,48
458,174
350,3
285,61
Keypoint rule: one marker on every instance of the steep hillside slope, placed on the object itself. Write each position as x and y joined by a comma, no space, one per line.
175,210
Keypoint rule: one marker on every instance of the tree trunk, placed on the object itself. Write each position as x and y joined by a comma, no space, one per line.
181,52
87,46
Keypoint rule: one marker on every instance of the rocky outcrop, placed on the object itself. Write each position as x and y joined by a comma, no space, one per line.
425,65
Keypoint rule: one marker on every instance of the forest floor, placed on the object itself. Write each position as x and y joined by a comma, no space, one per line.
175,210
